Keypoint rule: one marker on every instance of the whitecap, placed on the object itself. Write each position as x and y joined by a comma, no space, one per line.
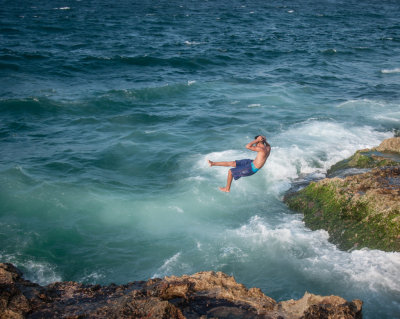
254,105
329,51
192,43
389,117
388,71
361,103
168,266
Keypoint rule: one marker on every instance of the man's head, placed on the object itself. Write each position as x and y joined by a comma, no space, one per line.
263,139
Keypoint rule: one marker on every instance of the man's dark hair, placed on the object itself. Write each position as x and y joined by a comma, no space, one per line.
264,140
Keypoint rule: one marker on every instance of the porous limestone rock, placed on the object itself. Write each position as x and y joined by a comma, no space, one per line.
390,145
202,295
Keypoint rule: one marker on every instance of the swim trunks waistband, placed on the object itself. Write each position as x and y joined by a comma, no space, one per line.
253,168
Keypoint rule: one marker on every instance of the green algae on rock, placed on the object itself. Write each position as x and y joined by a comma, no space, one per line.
358,211
363,159
386,154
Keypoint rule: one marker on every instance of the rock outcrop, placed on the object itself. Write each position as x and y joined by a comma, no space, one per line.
390,145
202,295
361,210
386,154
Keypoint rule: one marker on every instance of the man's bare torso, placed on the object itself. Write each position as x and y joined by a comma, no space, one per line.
262,155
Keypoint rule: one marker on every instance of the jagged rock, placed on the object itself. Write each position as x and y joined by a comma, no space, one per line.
358,211
312,306
390,145
202,295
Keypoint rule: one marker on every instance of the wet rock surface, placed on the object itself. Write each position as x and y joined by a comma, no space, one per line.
202,295
360,210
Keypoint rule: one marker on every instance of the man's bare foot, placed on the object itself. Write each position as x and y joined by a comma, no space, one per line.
210,163
224,189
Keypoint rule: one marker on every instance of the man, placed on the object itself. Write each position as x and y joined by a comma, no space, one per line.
246,167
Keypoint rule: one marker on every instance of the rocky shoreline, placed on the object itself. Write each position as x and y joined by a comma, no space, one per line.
359,210
202,295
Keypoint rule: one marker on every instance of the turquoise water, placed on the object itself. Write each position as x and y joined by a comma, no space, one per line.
109,111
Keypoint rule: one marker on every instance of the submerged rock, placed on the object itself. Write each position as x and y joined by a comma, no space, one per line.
202,295
361,210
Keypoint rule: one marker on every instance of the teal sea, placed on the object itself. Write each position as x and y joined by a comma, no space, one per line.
110,109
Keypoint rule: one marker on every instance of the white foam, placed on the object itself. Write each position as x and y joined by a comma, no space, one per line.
176,208
93,278
314,146
311,147
170,266
362,103
311,253
196,178
386,71
192,43
388,117
232,251
39,272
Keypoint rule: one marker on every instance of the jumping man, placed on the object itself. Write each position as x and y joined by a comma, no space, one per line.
246,167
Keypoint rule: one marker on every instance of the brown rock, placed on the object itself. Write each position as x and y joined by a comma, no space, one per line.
390,145
312,306
202,295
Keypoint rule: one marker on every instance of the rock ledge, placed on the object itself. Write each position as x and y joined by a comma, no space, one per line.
202,295
362,210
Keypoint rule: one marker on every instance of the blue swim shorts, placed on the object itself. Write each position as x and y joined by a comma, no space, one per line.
244,167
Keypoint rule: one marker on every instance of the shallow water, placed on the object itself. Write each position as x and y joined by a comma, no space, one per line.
108,113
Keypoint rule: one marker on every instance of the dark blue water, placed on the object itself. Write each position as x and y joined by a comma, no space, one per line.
109,110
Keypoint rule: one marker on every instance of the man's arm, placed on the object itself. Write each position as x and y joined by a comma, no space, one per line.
254,148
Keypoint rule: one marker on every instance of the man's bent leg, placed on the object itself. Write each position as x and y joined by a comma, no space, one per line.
227,188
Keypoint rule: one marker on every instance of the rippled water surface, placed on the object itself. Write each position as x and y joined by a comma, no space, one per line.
109,110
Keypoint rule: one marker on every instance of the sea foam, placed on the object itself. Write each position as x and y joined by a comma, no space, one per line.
36,271
386,71
311,253
313,146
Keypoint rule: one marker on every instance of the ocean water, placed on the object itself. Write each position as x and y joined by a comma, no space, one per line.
110,109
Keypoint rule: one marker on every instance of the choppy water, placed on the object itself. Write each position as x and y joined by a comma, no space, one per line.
109,110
